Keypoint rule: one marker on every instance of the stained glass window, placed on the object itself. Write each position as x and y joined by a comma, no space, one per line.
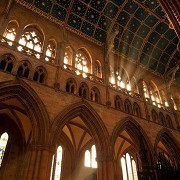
3,143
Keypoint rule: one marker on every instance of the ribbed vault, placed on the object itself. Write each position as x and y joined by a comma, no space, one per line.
144,34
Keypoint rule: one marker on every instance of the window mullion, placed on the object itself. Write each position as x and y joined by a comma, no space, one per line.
126,168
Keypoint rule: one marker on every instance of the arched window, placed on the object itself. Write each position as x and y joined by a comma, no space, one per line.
83,90
154,116
154,94
129,169
68,56
137,110
51,51
10,32
39,74
145,90
82,63
90,157
7,62
118,103
57,164
31,42
122,79
95,94
162,119
71,86
98,69
169,121
3,144
128,106
24,69
174,104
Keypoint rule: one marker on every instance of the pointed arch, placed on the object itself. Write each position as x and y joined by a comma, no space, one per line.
33,105
68,56
11,32
51,49
83,61
7,62
135,131
170,142
154,94
89,117
32,41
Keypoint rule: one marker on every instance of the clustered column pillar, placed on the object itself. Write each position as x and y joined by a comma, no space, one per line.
105,168
38,159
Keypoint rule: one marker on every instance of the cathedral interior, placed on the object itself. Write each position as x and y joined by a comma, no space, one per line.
89,90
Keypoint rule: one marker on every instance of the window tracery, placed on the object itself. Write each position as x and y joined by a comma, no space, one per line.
71,86
83,90
82,63
154,94
129,169
137,110
68,55
95,94
10,33
119,78
31,42
24,70
51,51
118,103
98,69
145,90
90,157
3,143
128,106
6,63
57,164
39,75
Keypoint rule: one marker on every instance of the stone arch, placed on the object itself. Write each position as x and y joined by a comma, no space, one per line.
170,142
89,117
37,28
34,107
135,131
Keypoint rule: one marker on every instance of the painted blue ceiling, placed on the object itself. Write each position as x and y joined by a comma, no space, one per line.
144,33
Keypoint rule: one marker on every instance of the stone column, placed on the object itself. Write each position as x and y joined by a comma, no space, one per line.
59,63
105,168
38,162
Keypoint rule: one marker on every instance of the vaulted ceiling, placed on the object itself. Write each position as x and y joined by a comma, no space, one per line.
144,35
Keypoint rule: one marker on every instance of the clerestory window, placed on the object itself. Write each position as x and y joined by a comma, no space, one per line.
10,33
51,51
31,43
